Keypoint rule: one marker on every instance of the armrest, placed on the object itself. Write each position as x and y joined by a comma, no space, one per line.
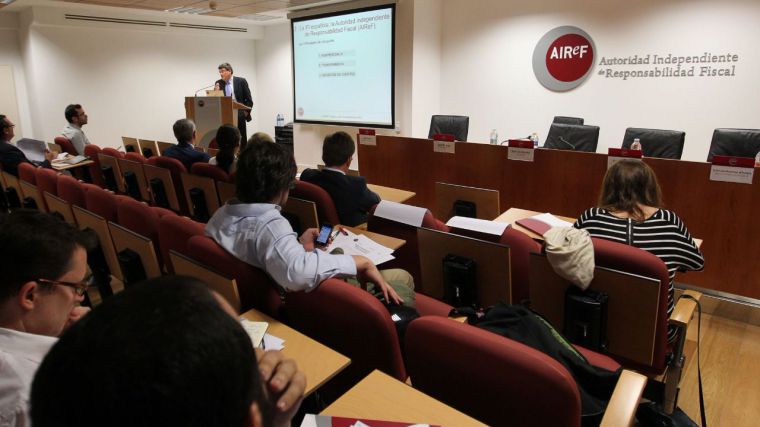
684,310
621,410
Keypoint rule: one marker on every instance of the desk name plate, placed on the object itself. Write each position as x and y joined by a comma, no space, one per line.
521,149
732,169
444,144
367,137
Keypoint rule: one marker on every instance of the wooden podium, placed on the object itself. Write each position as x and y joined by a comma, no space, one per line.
210,112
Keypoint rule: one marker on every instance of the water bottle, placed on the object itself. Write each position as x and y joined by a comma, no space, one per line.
280,120
494,137
534,138
636,144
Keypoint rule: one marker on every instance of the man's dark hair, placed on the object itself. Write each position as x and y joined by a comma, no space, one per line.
183,130
71,111
337,149
227,139
263,170
3,123
226,66
160,353
36,245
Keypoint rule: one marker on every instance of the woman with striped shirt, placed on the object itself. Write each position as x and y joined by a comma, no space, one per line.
630,213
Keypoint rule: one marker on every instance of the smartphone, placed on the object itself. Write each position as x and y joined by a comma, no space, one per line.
324,234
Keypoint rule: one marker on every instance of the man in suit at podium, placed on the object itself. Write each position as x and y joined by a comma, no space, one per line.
237,88
350,193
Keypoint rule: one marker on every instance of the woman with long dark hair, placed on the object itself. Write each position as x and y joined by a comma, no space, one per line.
228,142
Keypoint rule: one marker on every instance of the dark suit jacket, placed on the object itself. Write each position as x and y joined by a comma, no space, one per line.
10,157
242,92
350,194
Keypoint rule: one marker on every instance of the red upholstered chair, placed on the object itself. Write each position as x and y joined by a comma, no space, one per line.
177,168
66,145
212,143
407,256
103,203
352,322
96,174
257,290
72,191
108,151
174,232
325,207
492,378
135,157
520,248
211,171
47,180
27,172
142,219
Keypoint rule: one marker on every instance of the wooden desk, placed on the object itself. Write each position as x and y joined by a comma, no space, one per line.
568,182
60,166
387,241
381,397
318,362
391,194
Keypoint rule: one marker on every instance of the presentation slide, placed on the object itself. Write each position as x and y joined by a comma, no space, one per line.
343,68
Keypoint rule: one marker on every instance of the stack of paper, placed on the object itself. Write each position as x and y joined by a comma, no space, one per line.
552,220
255,330
479,225
359,244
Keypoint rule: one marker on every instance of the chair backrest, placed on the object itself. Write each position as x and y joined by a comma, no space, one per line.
66,145
176,168
130,144
192,183
520,248
566,120
132,164
30,191
324,314
257,290
96,174
173,234
148,148
452,125
212,143
211,171
572,137
406,257
27,172
71,190
142,219
225,286
489,377
325,207
47,180
666,144
144,247
486,200
734,142
108,151
112,179
102,203
135,157
636,282
88,219
57,205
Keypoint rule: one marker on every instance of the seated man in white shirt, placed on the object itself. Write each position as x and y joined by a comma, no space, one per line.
142,359
252,229
76,118
44,263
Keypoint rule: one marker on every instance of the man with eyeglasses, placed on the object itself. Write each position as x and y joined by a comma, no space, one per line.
43,261
76,118
10,155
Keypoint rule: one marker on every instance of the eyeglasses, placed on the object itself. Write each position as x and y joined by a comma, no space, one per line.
79,287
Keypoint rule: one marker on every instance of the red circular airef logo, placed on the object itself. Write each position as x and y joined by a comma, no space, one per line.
563,58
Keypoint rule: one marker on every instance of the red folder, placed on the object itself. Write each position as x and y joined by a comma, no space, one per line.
534,225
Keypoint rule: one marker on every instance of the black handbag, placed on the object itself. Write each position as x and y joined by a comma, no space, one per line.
586,318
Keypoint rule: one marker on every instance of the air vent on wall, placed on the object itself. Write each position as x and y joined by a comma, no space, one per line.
259,17
114,20
208,27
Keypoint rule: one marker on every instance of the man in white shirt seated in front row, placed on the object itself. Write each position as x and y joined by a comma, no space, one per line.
43,261
76,118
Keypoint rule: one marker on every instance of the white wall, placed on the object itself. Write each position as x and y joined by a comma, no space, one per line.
130,81
274,78
10,55
487,71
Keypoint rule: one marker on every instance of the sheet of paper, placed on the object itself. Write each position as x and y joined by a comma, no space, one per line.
353,244
255,330
479,225
33,149
272,342
552,220
405,214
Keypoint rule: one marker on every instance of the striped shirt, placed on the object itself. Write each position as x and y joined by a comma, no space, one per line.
662,234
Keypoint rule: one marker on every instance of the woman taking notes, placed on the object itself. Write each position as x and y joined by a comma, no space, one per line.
630,212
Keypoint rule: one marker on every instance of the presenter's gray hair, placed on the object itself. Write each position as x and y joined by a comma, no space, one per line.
226,66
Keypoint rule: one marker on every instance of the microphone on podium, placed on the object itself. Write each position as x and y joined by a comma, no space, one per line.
203,88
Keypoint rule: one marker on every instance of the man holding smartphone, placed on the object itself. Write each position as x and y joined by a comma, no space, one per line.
252,228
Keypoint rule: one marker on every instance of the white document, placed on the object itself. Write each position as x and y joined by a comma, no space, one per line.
399,212
479,225
255,330
732,174
552,220
272,342
353,244
33,149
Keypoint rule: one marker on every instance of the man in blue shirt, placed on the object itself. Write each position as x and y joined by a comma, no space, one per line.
184,151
